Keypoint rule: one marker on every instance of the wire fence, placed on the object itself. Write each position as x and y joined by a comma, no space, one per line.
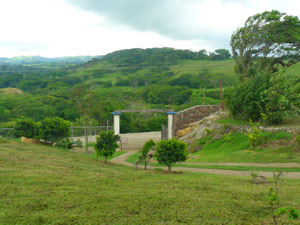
88,130
74,131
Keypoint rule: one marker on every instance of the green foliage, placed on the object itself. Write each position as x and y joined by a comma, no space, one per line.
267,41
106,144
254,175
265,96
149,145
208,131
298,140
54,129
275,201
171,151
255,135
228,137
67,143
26,128
167,95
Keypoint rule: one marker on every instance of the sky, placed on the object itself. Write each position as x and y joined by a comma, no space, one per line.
55,28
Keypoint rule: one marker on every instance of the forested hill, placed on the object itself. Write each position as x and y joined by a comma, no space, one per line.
126,79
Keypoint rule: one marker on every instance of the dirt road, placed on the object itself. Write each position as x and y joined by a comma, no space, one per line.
121,160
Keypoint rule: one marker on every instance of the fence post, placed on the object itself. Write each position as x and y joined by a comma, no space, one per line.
91,133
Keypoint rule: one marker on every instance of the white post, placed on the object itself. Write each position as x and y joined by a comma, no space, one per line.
170,124
116,122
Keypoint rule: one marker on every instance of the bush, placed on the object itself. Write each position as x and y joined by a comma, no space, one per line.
106,144
54,129
26,128
264,97
171,151
144,157
67,143
255,135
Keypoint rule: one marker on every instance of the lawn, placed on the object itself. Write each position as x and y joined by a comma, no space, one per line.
44,185
278,149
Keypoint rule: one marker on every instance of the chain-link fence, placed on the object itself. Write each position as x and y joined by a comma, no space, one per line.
7,133
88,130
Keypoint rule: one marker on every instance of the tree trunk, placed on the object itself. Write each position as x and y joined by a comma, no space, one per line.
169,167
145,167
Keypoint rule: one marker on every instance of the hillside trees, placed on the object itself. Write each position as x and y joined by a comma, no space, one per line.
262,49
268,41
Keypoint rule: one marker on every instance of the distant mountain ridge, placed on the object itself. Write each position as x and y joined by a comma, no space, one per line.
19,60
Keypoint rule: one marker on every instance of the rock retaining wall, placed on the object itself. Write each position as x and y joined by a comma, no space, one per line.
184,118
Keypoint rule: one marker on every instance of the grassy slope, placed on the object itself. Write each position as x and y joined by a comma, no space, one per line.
187,66
42,185
184,67
238,150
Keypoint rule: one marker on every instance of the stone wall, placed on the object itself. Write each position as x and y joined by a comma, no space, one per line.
194,114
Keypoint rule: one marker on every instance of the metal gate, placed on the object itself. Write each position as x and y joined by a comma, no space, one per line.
164,132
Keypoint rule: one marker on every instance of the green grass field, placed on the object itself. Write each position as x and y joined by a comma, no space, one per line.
43,185
277,149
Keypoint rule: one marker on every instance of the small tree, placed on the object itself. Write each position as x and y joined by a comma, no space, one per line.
171,151
144,157
25,128
106,144
54,129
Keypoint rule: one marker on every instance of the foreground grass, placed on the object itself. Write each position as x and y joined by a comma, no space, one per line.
43,185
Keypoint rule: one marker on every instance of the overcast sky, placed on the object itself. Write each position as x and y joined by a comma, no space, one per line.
53,28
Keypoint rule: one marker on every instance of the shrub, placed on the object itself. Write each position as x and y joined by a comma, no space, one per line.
144,157
106,144
255,135
26,128
227,137
298,140
171,151
67,143
54,129
264,97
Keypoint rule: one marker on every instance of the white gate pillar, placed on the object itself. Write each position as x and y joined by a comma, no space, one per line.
170,124
116,122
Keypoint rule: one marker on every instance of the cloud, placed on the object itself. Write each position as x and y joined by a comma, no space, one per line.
211,21
175,19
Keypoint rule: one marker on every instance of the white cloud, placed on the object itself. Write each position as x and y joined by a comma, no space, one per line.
93,27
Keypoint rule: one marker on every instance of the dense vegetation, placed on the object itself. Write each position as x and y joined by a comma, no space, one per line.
36,87
267,44
166,78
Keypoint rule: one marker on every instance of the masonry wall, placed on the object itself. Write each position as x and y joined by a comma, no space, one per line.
194,114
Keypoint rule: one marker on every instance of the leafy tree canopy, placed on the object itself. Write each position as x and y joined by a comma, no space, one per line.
268,41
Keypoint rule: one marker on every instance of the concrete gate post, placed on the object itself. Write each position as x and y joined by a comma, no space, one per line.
116,122
170,124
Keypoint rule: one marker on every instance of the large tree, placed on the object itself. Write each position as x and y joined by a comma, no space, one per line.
268,41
